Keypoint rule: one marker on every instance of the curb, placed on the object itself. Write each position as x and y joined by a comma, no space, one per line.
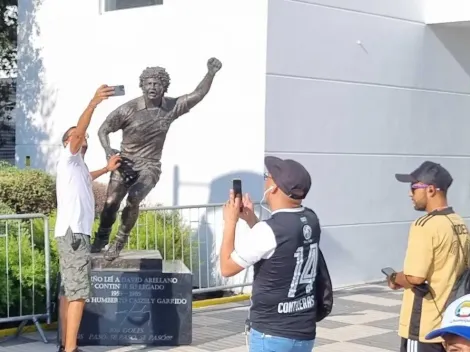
27,329
222,300
196,305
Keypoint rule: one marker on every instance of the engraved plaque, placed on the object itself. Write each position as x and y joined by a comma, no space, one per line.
147,307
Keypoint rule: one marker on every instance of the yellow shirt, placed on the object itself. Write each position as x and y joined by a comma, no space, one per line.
434,253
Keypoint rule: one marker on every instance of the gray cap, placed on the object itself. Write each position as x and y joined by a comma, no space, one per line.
428,173
290,176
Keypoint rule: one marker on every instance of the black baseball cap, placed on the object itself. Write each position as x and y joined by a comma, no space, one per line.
290,176
428,173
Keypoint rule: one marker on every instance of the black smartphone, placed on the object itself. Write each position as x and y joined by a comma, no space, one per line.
237,190
119,90
388,271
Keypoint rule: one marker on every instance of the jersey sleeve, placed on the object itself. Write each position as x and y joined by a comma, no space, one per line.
420,251
253,245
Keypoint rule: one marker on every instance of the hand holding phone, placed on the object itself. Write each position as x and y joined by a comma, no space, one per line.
388,271
118,90
237,190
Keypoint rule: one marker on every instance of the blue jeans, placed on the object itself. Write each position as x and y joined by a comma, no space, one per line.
260,342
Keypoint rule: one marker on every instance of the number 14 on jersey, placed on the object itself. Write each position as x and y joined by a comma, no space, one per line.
305,270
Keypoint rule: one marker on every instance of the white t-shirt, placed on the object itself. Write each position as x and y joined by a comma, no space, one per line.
75,200
258,243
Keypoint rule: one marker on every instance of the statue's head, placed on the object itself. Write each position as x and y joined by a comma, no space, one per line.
154,82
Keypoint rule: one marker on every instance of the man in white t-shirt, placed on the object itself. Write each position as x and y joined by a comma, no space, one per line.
75,216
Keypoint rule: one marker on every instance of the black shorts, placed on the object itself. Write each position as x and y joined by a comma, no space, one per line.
416,346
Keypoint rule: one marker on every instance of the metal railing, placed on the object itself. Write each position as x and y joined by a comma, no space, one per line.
25,291
193,235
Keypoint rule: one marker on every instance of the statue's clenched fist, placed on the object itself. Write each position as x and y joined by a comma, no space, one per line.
214,65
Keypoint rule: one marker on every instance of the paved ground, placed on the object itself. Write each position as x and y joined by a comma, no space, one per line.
364,319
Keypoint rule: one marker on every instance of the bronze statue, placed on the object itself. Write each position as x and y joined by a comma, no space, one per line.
144,122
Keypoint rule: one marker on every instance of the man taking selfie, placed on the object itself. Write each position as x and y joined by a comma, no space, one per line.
75,216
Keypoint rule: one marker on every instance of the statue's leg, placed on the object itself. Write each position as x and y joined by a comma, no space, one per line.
115,193
145,182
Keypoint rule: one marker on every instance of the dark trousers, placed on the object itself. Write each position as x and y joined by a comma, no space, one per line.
416,346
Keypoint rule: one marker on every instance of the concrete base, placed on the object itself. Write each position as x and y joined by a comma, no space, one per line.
134,260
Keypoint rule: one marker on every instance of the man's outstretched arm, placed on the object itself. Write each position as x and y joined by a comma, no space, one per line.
78,136
113,163
192,99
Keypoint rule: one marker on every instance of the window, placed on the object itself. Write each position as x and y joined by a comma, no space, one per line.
7,119
113,5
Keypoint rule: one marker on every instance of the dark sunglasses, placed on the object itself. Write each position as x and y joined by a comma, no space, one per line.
266,176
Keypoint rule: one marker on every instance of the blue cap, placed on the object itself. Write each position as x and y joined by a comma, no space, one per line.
456,320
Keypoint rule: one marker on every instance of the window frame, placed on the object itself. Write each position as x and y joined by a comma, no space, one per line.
102,6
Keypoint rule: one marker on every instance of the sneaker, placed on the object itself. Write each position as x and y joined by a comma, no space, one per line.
114,249
62,349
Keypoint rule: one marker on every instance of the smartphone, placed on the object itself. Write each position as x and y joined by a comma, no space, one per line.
119,90
237,189
388,271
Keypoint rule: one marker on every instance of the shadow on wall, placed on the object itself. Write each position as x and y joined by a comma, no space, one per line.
35,101
454,36
210,227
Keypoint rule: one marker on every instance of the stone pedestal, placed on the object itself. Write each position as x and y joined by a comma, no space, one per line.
138,299
133,260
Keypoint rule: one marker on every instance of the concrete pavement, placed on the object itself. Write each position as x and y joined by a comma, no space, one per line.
364,319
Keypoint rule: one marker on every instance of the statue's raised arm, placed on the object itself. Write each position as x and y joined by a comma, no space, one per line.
192,99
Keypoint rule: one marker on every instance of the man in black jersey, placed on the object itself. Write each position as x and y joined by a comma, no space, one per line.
284,251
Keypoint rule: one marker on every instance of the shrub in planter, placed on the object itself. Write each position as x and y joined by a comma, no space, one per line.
27,190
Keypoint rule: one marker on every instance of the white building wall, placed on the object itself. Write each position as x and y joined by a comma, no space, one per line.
77,49
447,11
358,92
80,49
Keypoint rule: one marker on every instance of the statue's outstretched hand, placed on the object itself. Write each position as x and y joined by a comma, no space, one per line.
214,65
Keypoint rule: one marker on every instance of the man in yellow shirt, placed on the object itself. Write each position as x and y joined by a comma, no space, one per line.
436,255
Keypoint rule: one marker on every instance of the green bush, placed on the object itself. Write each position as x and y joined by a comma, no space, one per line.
27,191
30,191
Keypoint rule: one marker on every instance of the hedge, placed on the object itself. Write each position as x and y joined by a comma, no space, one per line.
22,288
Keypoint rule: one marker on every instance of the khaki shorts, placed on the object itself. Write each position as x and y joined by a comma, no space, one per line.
75,265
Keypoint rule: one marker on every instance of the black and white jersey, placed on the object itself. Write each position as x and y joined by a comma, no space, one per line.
284,251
